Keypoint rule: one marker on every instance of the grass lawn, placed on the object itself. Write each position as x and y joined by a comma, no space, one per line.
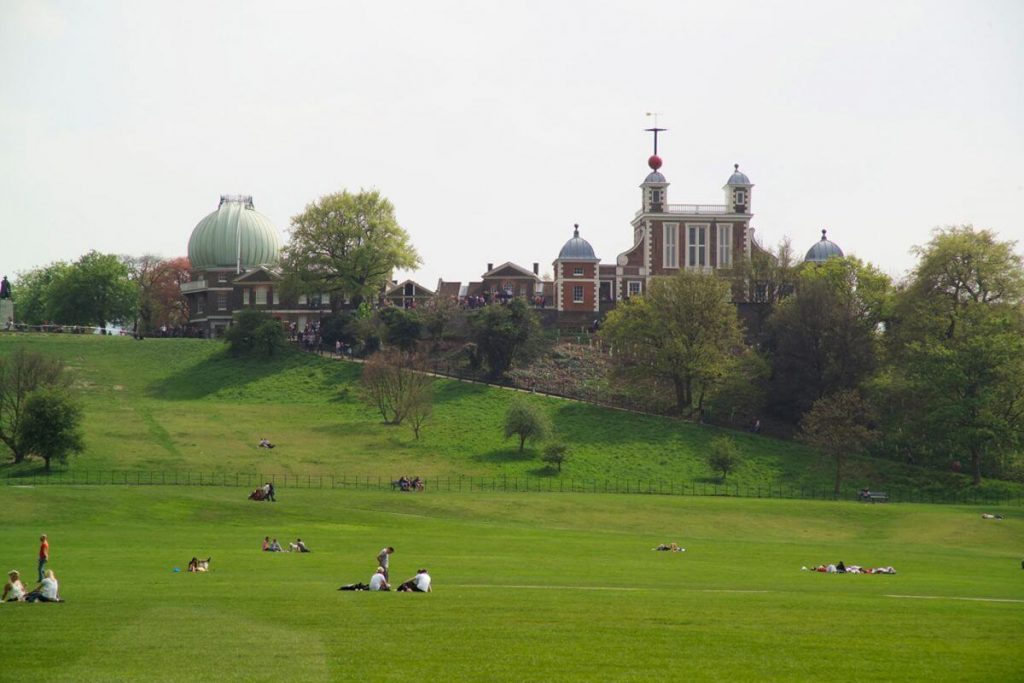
527,587
181,404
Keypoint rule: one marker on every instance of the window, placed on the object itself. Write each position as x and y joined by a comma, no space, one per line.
670,247
245,296
655,196
302,299
634,288
741,198
200,305
577,271
261,296
222,301
409,289
697,246
277,297
577,294
725,246
222,277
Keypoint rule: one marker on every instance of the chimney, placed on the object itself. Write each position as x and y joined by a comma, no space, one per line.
536,269
490,267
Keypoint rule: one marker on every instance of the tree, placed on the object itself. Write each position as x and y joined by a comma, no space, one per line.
825,337
51,425
402,328
768,276
346,244
22,373
32,293
158,289
683,331
254,332
395,384
556,454
525,421
504,334
724,455
94,290
957,345
838,424
439,315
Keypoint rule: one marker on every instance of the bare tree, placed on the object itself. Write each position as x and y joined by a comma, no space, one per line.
396,385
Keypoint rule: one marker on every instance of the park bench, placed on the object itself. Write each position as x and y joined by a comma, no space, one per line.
874,497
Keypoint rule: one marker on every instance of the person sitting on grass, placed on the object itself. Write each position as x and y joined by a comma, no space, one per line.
14,589
417,584
275,547
266,544
197,565
265,444
300,547
378,582
46,590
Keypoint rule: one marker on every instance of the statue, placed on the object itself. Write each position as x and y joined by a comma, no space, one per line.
5,289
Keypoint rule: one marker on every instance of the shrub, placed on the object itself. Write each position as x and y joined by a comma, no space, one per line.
724,455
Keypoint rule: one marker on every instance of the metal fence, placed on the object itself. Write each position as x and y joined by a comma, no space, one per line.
497,484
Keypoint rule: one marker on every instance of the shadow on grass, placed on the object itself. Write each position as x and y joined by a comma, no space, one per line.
454,390
505,455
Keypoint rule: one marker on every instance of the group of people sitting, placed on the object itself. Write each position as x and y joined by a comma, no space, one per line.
852,569
45,591
406,484
197,565
265,492
379,582
272,546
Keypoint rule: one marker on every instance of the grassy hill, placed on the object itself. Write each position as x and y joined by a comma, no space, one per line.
182,404
528,587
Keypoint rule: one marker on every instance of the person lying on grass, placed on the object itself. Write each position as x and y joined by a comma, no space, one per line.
851,569
298,547
46,590
14,589
265,444
417,584
670,547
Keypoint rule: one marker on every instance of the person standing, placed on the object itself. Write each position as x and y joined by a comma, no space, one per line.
44,555
382,560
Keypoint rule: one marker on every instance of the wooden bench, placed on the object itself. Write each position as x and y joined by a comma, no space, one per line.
874,497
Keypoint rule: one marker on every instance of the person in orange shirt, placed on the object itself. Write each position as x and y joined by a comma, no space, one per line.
44,555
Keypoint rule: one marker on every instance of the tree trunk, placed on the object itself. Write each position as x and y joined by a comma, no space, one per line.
976,465
46,465
522,440
682,388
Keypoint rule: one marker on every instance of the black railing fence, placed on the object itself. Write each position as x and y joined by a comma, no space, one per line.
499,484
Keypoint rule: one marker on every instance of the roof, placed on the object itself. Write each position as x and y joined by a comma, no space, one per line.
509,269
448,289
823,250
577,248
234,235
738,178
654,177
399,288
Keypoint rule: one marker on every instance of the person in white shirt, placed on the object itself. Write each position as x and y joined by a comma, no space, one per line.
382,559
379,582
417,584
46,591
14,590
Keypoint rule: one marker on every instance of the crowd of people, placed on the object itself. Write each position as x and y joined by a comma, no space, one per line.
267,492
380,580
841,568
404,483
272,546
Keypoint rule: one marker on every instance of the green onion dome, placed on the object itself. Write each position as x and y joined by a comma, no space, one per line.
234,234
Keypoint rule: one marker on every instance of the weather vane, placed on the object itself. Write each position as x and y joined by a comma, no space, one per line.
655,130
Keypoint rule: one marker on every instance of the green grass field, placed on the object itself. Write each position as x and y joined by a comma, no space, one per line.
181,404
537,587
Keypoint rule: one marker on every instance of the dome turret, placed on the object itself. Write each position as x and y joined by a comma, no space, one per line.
737,177
235,235
577,249
823,250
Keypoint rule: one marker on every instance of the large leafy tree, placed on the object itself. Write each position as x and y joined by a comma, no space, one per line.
683,331
158,288
22,373
51,426
504,334
31,293
94,290
838,425
957,345
254,333
347,244
826,336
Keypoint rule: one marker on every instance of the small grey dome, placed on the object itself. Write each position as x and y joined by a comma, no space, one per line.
738,178
823,250
577,249
654,177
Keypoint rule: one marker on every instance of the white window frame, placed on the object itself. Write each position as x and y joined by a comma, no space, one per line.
577,271
740,196
697,245
261,296
277,296
633,287
724,238
670,245
577,294
655,196
222,301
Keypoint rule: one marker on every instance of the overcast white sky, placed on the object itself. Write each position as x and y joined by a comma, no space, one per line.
494,126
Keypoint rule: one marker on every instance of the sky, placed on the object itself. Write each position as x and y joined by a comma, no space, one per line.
493,127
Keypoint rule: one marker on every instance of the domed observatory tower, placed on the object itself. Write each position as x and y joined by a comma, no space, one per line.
233,243
576,275
823,250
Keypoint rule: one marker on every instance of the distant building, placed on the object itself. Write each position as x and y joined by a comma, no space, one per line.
234,253
823,250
